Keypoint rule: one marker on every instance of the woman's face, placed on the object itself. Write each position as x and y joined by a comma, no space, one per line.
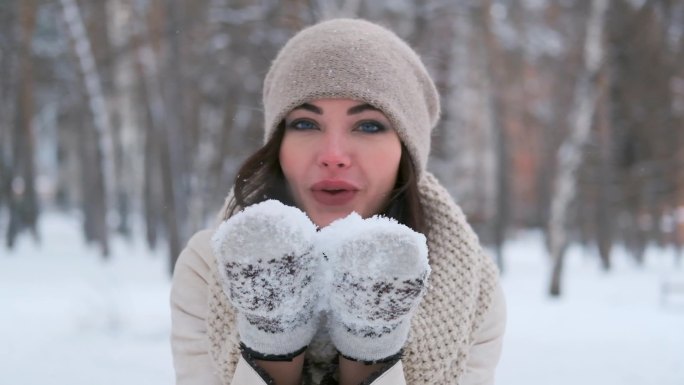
339,156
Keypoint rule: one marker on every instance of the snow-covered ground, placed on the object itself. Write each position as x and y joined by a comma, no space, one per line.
67,317
610,328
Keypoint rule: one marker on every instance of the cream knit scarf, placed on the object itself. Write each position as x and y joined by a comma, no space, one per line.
462,282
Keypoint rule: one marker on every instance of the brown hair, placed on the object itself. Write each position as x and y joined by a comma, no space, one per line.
261,178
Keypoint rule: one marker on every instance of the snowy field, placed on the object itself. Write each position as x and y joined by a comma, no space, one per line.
608,328
69,318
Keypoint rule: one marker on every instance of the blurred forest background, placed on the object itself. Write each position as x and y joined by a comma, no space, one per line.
560,115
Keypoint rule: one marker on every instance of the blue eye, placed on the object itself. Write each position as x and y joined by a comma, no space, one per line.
302,125
371,127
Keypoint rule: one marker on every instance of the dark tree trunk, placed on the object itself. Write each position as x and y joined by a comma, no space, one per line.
8,85
494,68
92,185
172,151
605,212
23,201
150,191
160,138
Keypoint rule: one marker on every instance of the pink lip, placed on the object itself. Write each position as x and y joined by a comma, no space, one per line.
333,192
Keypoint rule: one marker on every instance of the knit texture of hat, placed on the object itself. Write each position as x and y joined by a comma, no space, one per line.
355,59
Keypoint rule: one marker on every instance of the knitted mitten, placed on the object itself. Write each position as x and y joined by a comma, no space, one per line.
267,271
378,275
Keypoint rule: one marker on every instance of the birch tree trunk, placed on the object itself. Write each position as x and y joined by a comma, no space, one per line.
569,155
96,103
128,148
159,138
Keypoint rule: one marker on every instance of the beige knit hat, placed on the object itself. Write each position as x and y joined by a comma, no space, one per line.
355,59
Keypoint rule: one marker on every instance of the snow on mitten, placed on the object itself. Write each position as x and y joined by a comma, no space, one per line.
378,276
268,271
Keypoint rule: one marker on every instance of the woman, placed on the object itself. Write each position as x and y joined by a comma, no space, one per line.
266,298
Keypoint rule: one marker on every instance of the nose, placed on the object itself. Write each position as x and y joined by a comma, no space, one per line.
334,151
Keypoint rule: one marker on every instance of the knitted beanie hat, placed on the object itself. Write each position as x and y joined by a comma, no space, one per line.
355,59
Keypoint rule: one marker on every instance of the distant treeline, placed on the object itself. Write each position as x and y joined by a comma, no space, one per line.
563,115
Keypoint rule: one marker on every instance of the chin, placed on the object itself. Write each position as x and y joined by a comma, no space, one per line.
324,219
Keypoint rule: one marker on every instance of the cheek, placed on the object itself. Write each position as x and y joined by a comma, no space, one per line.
292,162
385,166
287,158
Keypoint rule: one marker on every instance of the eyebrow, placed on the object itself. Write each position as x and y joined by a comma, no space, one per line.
351,111
309,107
360,108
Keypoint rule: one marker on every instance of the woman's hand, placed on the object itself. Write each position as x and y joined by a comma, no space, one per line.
268,273
378,271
